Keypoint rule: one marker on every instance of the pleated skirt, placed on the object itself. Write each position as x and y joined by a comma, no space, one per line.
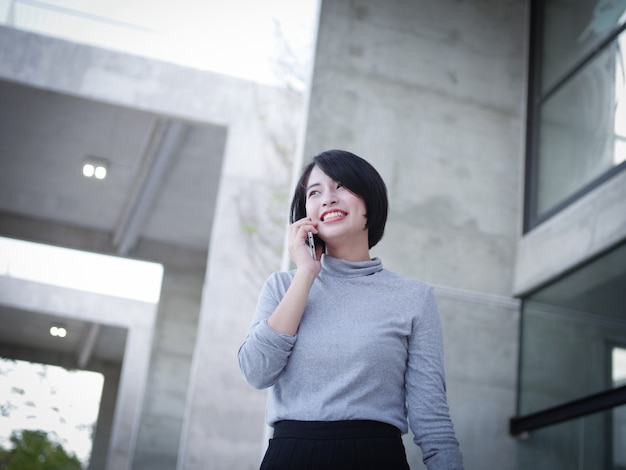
335,445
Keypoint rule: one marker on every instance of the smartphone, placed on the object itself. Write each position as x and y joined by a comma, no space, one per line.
311,245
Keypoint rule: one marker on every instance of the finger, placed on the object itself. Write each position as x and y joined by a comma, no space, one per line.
305,226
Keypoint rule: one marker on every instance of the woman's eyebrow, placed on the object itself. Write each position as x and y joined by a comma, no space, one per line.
312,185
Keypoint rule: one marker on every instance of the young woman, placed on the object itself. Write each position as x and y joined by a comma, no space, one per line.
349,350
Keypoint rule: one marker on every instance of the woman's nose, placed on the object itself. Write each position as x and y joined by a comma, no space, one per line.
329,198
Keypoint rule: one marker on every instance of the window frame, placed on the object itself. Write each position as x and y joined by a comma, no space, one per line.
535,100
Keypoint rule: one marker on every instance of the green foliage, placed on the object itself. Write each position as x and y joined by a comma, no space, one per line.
33,450
249,228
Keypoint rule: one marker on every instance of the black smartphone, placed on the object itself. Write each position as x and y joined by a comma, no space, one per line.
311,244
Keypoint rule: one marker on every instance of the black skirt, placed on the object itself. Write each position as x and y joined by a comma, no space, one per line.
335,445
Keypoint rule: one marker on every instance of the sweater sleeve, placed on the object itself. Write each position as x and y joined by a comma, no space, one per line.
264,352
429,416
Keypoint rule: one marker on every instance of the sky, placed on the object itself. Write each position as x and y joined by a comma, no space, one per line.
234,37
74,269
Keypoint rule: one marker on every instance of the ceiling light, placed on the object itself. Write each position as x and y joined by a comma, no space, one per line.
95,167
58,331
100,172
88,170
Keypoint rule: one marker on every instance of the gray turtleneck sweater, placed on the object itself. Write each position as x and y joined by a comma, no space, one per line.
369,345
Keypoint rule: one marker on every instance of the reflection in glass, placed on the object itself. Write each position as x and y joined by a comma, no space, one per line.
571,30
582,129
565,330
576,444
574,345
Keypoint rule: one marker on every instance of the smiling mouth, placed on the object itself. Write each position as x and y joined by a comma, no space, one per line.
332,215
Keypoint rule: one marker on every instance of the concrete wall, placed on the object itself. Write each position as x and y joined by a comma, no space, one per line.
432,93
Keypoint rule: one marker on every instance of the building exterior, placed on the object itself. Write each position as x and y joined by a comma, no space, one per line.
516,213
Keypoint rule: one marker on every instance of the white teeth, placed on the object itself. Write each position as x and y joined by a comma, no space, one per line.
333,215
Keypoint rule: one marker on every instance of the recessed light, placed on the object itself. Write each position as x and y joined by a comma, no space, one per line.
100,172
58,331
95,167
89,170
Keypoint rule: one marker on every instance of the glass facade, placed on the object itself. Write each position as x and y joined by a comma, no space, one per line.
583,444
578,136
573,344
577,90
573,330
571,30
569,330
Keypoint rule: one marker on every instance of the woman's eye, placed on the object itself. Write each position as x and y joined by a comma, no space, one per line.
313,193
339,185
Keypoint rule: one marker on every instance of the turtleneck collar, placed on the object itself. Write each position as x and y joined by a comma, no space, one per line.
343,268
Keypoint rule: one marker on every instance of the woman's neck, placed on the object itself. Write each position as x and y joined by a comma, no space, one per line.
348,253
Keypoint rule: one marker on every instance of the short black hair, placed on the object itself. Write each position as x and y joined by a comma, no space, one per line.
357,175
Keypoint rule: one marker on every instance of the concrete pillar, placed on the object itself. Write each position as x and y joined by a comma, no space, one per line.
224,422
171,354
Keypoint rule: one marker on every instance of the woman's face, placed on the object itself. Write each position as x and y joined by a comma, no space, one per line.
340,214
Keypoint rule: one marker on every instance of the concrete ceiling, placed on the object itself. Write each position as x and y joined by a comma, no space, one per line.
105,342
162,181
162,176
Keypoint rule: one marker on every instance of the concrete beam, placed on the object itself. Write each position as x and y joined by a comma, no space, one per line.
587,228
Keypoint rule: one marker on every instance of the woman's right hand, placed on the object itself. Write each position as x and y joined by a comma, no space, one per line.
286,318
299,251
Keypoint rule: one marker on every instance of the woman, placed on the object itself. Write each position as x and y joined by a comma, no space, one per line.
346,346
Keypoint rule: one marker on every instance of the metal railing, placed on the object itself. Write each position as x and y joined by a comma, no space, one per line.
519,425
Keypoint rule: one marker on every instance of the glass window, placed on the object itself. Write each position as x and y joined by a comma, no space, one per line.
571,30
578,444
576,112
582,131
585,442
568,329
